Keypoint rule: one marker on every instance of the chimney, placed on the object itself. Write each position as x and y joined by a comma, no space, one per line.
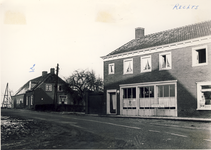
139,32
44,73
52,70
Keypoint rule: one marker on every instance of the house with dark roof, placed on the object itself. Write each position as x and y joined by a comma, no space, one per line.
162,74
39,93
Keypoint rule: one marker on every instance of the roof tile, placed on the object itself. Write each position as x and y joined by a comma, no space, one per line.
166,37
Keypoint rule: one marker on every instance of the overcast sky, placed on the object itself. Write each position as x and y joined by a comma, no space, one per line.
76,33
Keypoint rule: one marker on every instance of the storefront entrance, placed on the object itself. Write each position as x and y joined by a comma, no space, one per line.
149,99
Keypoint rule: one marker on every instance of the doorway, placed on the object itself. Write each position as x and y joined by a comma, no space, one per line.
111,102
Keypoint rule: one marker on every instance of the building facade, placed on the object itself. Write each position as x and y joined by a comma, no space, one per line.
39,93
162,74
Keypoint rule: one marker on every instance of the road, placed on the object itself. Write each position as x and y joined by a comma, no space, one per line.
136,133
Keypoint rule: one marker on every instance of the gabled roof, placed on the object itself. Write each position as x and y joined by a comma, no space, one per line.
166,37
36,82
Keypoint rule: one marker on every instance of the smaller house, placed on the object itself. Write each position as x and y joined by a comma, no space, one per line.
39,93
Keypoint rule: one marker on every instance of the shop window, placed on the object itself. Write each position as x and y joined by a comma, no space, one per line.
147,92
166,90
199,56
111,68
48,87
128,66
165,61
146,64
129,93
204,95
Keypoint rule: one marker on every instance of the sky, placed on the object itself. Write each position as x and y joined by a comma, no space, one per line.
38,34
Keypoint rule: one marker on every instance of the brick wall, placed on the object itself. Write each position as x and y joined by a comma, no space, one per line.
182,71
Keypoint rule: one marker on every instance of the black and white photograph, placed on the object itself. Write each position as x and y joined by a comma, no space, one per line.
105,74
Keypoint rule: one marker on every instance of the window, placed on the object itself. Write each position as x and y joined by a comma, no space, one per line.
165,61
199,56
204,95
48,87
19,101
128,66
31,99
129,93
146,92
63,99
166,90
146,64
111,68
59,88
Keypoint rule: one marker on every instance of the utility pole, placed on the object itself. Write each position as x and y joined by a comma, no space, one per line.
56,85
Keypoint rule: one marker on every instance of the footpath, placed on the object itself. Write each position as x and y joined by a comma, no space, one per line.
193,119
143,117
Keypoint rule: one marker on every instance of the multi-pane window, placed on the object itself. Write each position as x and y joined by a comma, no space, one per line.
146,92
48,87
63,99
199,56
165,61
129,93
111,68
128,66
204,95
146,63
166,90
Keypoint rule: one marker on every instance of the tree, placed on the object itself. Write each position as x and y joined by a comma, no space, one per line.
83,80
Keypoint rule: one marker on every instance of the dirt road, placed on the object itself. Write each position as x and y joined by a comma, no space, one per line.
22,133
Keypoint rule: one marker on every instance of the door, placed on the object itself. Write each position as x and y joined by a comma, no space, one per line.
113,101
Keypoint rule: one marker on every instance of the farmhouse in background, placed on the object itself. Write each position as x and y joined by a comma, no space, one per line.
162,74
39,93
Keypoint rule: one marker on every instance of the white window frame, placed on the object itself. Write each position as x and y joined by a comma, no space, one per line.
160,61
48,85
194,56
200,105
65,101
58,88
124,66
143,65
109,68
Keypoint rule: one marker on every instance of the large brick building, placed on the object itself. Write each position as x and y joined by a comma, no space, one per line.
162,74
